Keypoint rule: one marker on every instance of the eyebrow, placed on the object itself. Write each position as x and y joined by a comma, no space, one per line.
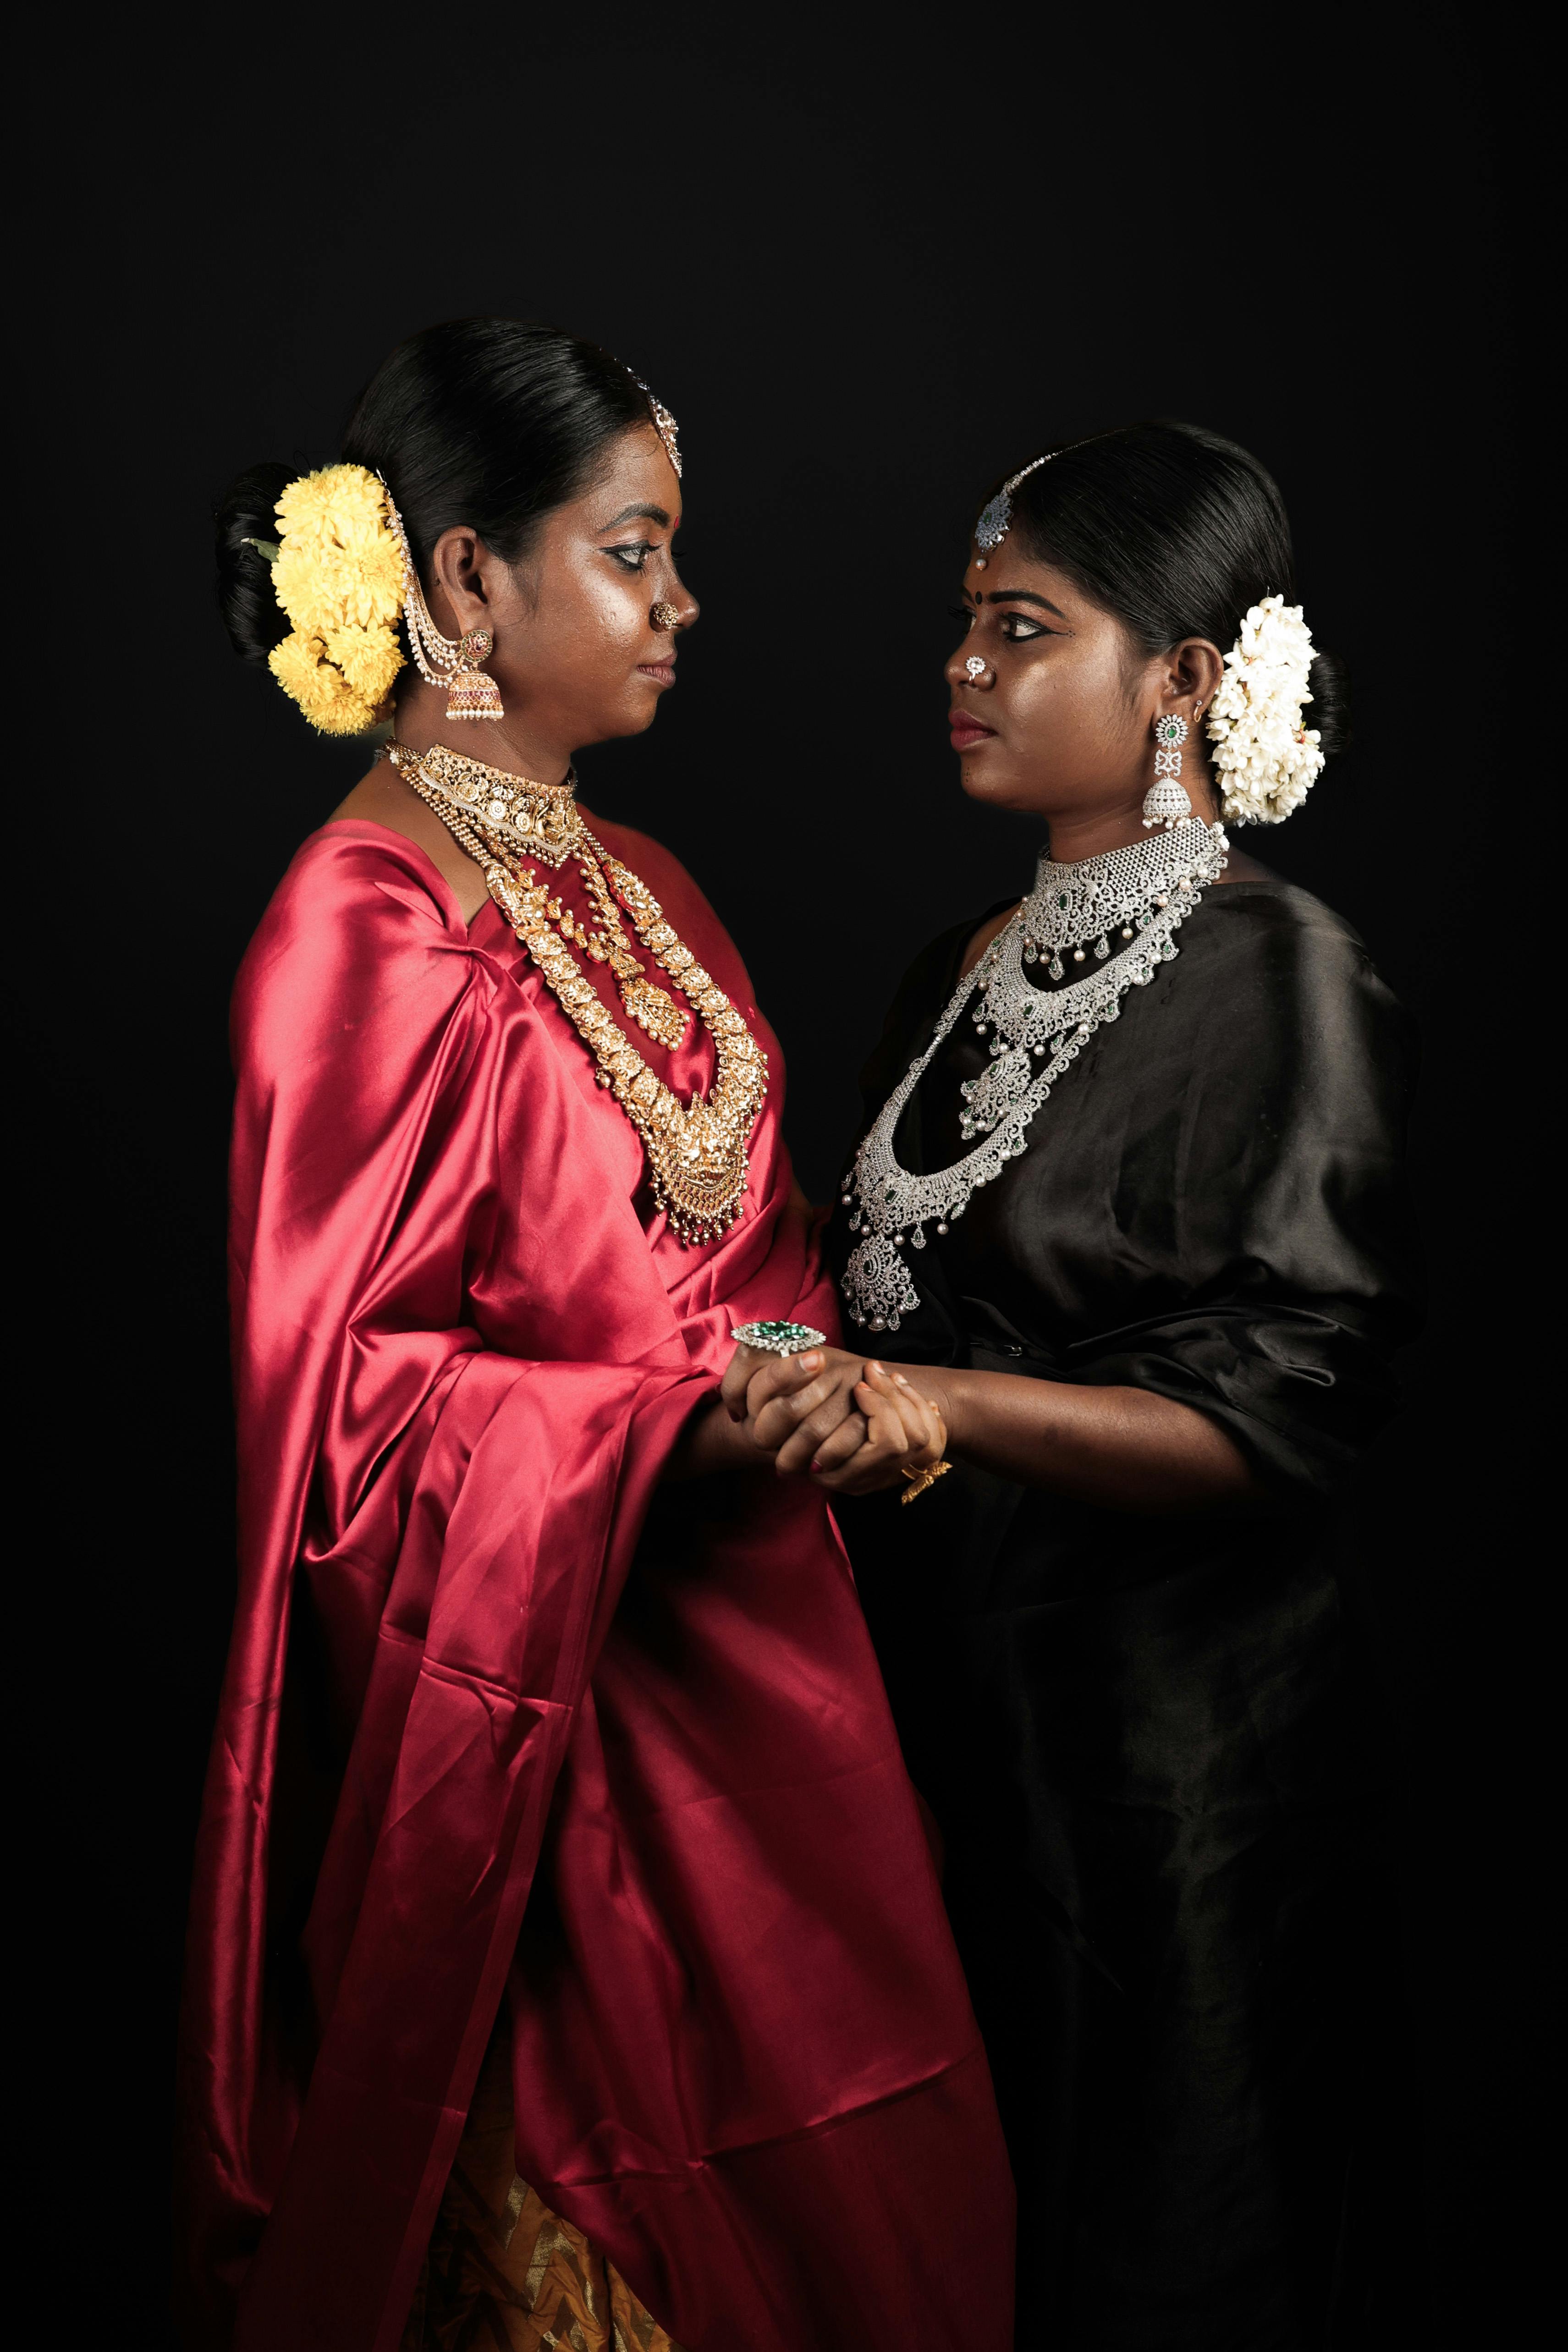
635,514
1019,596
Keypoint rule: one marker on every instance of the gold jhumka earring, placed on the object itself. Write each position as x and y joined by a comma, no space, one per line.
455,663
475,694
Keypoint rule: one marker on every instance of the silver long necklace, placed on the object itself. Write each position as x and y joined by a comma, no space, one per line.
1142,894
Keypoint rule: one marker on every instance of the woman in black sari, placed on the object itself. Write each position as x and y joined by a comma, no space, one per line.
1134,1219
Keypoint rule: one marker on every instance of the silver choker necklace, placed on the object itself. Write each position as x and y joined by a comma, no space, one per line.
1141,894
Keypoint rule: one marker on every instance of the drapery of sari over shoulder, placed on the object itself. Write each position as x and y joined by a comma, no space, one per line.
467,1664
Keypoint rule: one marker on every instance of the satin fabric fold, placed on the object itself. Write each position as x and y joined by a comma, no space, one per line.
500,1707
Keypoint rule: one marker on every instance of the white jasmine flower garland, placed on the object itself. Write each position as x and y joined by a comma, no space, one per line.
1264,760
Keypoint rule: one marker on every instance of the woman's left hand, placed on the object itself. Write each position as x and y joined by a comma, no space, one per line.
853,1426
903,1431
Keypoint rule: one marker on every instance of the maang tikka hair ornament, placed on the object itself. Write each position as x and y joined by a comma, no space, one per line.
1165,802
664,426
996,515
663,422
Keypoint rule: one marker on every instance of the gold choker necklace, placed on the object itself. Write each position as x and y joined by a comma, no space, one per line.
695,1151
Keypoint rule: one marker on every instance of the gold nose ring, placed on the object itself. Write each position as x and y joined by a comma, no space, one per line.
664,617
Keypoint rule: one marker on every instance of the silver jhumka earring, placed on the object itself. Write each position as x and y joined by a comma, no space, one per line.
1165,802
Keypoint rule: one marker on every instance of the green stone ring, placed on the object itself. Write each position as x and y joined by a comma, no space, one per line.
777,1339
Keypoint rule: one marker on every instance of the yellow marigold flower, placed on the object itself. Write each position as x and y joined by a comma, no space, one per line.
294,663
312,602
369,658
339,577
379,589
338,504
325,696
338,559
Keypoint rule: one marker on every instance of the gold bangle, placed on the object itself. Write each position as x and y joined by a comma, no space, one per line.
920,1479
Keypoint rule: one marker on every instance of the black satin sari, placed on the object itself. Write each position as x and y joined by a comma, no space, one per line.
1141,1736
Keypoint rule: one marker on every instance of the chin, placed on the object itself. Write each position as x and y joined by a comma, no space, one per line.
978,782
635,717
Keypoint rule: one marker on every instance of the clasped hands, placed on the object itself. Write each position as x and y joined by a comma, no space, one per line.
848,1423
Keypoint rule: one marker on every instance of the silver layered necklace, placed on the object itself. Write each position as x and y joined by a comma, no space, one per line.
1116,915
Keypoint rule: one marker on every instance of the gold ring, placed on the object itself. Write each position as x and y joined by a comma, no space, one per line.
664,617
920,1479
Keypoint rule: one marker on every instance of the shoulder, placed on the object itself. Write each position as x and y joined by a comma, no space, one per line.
1283,947
357,880
353,870
1263,908
1271,982
361,921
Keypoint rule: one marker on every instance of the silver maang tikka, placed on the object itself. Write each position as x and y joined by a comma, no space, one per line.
996,515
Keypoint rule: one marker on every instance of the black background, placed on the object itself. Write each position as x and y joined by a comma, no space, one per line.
870,265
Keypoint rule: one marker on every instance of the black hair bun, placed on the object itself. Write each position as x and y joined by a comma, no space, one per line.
1328,683
255,620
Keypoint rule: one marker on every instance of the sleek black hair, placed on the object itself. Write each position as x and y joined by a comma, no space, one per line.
488,422
1177,532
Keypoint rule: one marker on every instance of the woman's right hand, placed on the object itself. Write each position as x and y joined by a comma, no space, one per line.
904,1432
785,1399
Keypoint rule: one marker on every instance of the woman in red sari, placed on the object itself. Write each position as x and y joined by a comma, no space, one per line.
551,1725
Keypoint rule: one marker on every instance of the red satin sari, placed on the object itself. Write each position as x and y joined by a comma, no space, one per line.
467,1665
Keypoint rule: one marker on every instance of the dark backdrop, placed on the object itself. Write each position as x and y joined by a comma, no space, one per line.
869,268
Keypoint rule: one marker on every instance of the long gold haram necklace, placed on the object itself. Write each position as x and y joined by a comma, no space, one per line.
696,1150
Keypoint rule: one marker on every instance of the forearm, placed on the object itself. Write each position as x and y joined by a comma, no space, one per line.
1122,1448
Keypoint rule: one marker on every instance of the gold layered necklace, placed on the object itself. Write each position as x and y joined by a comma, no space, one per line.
696,1150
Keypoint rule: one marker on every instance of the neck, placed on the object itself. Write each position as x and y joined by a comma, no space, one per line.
511,743
1080,833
